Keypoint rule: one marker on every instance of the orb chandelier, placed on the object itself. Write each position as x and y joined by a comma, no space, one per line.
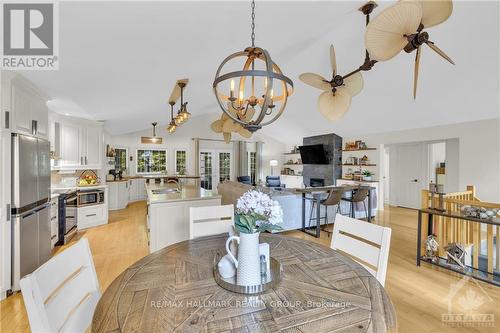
260,85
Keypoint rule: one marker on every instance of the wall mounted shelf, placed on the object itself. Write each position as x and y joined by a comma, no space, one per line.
348,150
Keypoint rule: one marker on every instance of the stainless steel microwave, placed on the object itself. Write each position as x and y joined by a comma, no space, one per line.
88,198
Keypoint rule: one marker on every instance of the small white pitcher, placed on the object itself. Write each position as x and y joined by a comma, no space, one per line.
248,263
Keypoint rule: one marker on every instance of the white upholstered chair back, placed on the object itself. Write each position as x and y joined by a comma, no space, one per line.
61,295
210,220
366,243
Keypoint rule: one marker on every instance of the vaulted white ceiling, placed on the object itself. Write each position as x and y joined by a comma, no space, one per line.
119,61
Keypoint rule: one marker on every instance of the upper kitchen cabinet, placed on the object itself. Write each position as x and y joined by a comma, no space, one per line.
24,107
77,143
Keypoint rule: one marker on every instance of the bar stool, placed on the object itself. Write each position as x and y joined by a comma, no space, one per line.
333,199
358,195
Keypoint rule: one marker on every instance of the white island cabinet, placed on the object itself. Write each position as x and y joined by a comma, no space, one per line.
168,212
118,194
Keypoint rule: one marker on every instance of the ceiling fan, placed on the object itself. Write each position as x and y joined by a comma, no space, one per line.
226,125
400,27
335,99
334,102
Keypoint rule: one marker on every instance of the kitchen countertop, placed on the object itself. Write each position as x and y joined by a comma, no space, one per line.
81,188
126,178
187,193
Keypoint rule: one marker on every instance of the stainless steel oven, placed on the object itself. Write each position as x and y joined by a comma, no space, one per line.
88,198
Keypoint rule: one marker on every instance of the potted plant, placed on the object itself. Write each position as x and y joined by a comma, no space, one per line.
255,212
367,175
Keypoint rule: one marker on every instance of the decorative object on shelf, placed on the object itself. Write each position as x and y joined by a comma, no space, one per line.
255,212
479,212
152,139
226,125
364,160
455,254
272,164
400,27
367,175
110,152
337,93
88,178
431,248
261,71
439,190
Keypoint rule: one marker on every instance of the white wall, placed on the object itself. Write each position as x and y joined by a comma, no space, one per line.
478,151
196,127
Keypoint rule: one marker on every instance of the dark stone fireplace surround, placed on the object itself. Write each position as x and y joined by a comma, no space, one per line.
330,172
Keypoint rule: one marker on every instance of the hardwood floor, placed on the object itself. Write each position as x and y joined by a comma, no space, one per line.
419,294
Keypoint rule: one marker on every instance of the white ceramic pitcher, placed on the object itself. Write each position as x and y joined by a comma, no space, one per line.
248,263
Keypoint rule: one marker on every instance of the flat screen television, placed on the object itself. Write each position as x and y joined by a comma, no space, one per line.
313,154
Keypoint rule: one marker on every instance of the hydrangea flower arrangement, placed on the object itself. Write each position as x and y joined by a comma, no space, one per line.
257,212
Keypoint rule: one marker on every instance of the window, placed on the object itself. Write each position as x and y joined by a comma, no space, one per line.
121,158
206,170
151,160
224,166
180,162
252,165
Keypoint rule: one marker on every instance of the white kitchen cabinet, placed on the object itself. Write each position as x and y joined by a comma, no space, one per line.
92,143
69,150
54,220
28,108
21,110
137,189
78,143
92,216
118,194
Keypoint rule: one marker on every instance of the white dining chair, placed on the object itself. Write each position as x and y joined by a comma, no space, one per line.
210,220
366,243
61,295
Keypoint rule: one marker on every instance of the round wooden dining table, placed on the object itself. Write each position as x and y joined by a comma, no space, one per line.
174,290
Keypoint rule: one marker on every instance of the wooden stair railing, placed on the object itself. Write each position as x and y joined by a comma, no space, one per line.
449,230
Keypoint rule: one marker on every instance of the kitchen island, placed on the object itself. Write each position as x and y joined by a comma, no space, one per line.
168,212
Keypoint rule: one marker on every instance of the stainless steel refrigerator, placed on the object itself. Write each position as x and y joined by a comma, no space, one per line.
31,236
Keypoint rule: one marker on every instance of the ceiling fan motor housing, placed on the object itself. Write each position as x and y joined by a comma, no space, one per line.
415,41
337,81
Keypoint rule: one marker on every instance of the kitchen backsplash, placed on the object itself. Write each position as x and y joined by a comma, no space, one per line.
65,180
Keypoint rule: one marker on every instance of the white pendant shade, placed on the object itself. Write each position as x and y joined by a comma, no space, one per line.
315,80
354,84
434,12
333,107
384,36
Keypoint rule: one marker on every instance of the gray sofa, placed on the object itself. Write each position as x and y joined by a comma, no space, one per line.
290,201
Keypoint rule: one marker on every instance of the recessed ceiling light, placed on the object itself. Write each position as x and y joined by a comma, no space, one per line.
66,114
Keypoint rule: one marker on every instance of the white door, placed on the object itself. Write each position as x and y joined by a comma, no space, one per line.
215,167
408,174
70,145
92,157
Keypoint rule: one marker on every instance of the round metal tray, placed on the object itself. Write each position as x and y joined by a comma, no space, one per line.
272,278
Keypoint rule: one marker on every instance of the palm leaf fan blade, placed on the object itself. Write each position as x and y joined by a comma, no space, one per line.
315,80
385,34
354,84
434,12
333,107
